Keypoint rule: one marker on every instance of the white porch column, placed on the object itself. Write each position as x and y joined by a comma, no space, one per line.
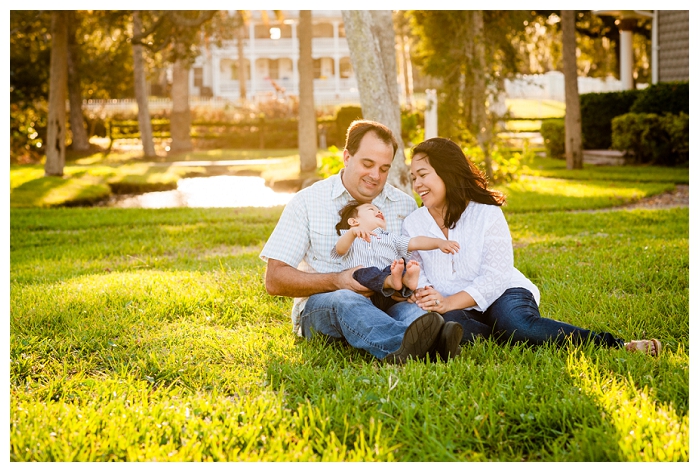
626,55
252,91
431,114
336,56
626,21
654,51
294,60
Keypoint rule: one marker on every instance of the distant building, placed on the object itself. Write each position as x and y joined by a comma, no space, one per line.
670,45
271,53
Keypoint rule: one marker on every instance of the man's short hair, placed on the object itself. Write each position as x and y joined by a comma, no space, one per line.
358,128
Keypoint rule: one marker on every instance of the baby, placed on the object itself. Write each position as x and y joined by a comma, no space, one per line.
365,241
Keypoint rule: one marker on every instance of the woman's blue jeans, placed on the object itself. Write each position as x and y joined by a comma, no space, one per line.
515,317
349,315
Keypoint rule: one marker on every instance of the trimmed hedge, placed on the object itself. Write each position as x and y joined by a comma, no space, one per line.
664,97
652,138
553,130
597,111
343,118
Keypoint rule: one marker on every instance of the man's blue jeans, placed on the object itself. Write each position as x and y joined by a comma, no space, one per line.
349,315
515,317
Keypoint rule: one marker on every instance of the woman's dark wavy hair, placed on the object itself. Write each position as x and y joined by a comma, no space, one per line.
462,179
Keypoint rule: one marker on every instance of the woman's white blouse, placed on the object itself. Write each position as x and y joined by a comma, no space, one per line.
484,265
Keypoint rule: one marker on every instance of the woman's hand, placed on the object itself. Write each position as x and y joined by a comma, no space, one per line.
429,299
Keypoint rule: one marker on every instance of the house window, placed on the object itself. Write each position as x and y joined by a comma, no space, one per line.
316,68
198,76
275,33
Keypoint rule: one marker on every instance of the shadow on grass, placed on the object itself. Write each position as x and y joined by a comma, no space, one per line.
493,403
58,191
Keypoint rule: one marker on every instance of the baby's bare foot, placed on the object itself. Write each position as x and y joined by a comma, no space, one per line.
393,281
412,275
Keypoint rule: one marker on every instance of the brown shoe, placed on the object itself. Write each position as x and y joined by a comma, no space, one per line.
447,345
418,338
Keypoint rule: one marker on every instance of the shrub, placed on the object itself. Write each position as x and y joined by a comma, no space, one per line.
597,111
637,134
506,164
331,163
553,130
677,128
412,126
663,97
28,124
652,138
343,118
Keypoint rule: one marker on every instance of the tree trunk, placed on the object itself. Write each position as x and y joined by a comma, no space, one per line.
308,140
573,133
242,70
371,40
478,108
144,125
181,117
80,140
407,69
56,132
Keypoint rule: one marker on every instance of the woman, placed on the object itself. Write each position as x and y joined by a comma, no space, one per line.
479,287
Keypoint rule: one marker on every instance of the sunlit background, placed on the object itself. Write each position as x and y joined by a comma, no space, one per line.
210,192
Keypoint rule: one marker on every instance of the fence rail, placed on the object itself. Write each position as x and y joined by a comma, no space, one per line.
549,86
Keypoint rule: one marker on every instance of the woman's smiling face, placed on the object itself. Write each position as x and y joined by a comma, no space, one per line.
427,183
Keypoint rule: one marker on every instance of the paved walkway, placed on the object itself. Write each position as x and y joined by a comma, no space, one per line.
677,198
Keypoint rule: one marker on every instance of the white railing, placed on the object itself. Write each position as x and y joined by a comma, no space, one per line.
551,86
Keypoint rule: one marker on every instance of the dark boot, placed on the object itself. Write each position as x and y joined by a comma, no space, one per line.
447,344
419,337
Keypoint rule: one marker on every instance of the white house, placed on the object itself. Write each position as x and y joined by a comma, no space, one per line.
271,53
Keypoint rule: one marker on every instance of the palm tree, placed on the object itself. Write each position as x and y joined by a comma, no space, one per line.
307,113
573,132
80,140
56,132
144,125
241,22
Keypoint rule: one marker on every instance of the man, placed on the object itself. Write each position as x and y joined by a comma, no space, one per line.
327,299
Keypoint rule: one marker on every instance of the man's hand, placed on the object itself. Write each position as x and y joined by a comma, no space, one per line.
348,282
449,247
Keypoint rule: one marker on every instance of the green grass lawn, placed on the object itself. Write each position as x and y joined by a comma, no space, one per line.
139,335
530,108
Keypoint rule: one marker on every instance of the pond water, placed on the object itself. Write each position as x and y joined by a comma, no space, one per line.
221,191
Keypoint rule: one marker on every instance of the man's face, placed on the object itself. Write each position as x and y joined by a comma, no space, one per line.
366,171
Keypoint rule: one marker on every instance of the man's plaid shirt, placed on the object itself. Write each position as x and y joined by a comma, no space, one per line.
305,234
